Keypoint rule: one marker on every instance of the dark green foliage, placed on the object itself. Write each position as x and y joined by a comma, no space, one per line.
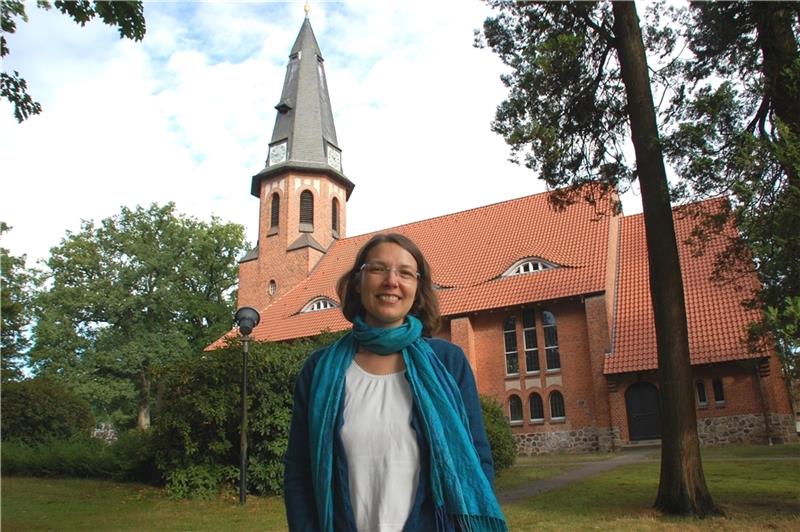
197,430
734,129
133,457
501,439
18,283
129,296
565,114
77,457
39,410
127,16
129,458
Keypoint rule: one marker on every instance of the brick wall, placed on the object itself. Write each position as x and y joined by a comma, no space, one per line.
275,263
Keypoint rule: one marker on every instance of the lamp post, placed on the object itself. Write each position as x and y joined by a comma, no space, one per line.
246,319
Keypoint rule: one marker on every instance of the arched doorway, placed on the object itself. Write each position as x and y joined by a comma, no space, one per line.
644,415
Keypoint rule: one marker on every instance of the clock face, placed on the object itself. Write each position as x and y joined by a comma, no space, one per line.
277,153
334,158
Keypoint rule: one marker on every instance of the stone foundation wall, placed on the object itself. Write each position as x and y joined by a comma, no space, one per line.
589,439
713,432
746,428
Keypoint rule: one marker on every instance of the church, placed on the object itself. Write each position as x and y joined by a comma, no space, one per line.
552,308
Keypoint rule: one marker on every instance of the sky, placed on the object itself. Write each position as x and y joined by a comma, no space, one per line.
186,115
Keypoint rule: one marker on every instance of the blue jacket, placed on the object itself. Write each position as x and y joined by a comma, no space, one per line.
301,512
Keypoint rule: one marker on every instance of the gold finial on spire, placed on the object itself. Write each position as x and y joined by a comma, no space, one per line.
307,8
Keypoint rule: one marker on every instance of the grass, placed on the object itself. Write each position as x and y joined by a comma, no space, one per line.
78,504
758,488
528,469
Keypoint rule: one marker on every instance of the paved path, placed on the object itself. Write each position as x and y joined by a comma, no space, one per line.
628,456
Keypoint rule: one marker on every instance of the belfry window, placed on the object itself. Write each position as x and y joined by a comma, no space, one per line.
510,345
274,211
551,341
306,211
335,217
515,409
319,303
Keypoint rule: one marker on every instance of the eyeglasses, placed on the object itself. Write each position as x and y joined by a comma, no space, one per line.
405,274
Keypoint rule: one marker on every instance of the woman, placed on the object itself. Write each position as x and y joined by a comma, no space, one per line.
387,432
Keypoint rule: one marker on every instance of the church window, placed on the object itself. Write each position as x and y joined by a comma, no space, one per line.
537,408
702,399
529,265
515,409
529,338
306,211
551,341
274,211
319,303
510,345
557,411
335,216
272,287
719,392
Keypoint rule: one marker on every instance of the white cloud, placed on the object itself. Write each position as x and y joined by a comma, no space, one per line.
186,114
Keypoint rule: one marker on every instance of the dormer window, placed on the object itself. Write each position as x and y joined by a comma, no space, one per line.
529,265
319,303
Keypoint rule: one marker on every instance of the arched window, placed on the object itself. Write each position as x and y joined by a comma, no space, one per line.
274,211
551,340
515,409
719,392
529,265
529,339
272,287
557,406
702,399
335,216
306,211
319,303
510,345
537,407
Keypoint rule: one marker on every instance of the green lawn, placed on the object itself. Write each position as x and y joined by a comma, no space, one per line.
758,488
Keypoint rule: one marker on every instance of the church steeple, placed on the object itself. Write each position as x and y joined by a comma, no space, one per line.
304,136
302,189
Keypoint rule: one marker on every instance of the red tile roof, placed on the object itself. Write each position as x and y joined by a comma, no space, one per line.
716,319
468,251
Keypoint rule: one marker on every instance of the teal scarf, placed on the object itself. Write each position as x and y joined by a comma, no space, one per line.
461,492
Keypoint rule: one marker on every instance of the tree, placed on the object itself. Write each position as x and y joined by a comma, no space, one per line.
127,16
734,122
143,289
18,284
578,90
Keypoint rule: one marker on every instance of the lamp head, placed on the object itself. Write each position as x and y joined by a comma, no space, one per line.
246,319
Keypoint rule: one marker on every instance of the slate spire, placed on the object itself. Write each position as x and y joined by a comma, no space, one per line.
304,136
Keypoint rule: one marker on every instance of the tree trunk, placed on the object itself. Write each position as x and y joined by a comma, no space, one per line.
776,39
682,488
143,421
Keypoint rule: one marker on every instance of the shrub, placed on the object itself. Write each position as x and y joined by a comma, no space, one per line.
39,410
197,431
501,439
78,457
133,457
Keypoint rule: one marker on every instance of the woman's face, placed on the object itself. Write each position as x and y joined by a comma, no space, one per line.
388,285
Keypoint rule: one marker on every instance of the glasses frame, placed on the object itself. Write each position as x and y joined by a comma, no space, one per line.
384,271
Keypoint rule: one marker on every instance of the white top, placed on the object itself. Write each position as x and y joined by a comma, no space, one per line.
381,448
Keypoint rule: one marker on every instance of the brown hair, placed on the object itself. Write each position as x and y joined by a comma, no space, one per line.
426,304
